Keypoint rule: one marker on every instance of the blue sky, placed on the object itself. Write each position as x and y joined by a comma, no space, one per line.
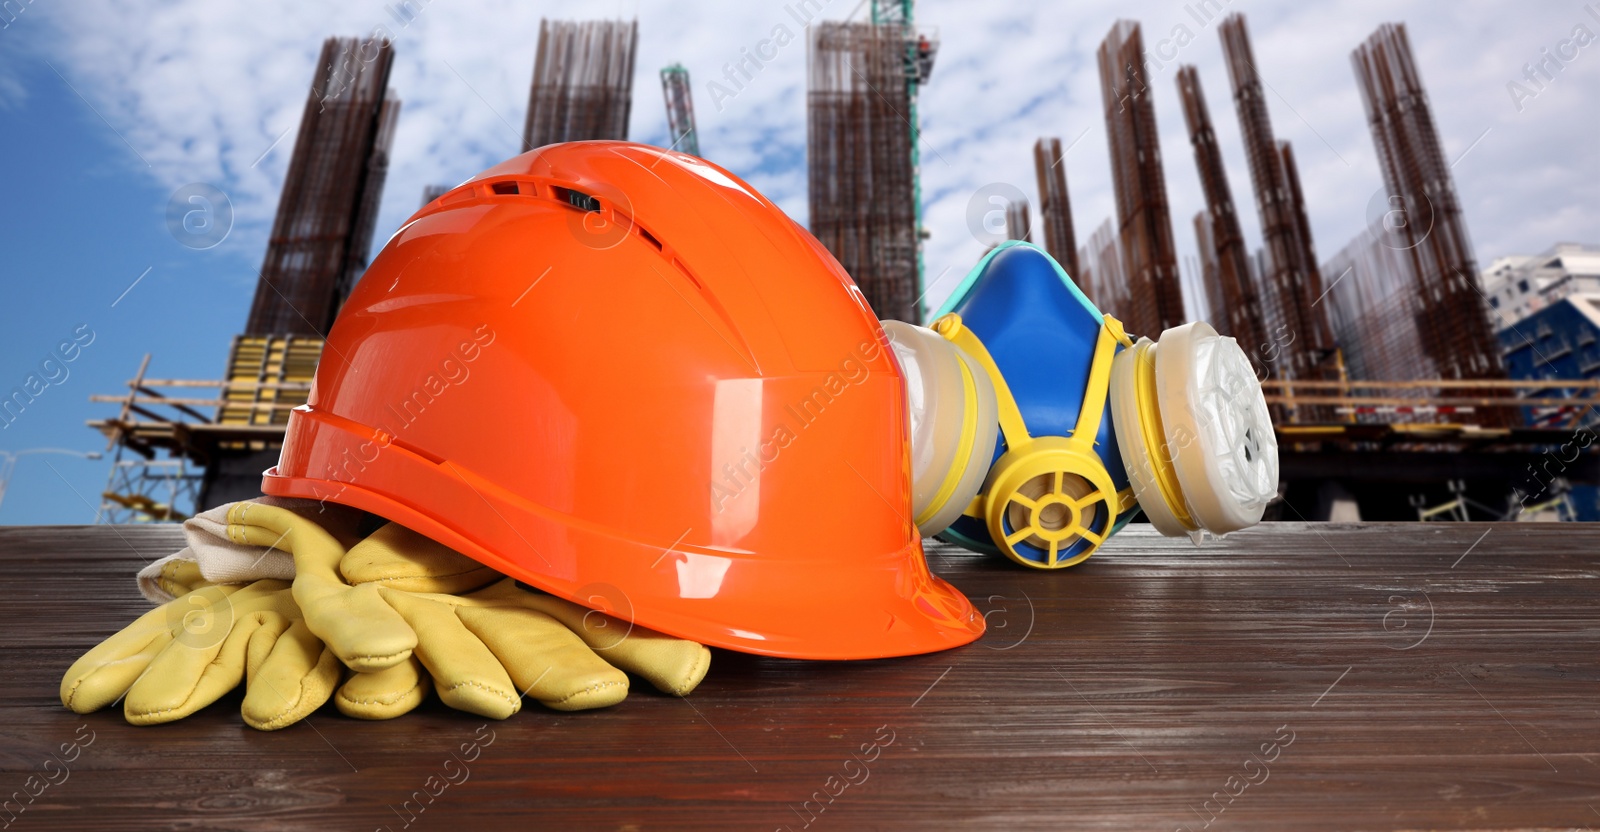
152,97
83,220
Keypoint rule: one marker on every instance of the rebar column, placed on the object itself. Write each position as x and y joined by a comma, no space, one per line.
1236,306
1155,295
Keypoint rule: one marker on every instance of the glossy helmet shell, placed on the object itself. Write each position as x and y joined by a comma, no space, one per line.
621,375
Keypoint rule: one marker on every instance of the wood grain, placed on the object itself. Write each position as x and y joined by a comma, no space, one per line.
1414,677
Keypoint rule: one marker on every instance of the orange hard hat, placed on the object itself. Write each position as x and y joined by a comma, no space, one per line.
621,375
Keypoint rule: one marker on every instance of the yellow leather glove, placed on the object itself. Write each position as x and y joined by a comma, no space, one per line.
384,693
185,654
394,599
400,685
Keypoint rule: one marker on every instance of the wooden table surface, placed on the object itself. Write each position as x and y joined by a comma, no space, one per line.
1377,677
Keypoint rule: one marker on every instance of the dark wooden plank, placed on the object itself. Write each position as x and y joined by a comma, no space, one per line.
1430,676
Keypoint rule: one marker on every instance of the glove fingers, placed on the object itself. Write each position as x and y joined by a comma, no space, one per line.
105,673
385,694
546,661
361,628
291,674
180,577
399,558
194,671
465,672
110,668
673,665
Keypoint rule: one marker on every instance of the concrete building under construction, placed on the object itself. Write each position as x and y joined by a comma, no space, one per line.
582,82
1144,226
859,142
582,86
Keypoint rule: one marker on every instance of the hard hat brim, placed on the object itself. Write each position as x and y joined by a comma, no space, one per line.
892,606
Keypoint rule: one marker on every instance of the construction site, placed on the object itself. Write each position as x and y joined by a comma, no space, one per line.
795,419
1383,366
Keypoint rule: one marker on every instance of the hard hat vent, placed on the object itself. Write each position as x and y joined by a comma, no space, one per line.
578,199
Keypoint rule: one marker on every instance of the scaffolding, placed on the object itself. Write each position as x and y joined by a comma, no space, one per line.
680,110
329,206
582,82
163,439
1150,261
1450,316
1055,209
862,179
1224,260
148,491
1291,285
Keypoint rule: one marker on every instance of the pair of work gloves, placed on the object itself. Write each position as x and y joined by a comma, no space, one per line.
289,598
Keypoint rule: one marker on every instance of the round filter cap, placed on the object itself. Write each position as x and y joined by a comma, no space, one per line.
1216,421
954,423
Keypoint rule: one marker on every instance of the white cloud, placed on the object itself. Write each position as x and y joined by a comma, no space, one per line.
201,90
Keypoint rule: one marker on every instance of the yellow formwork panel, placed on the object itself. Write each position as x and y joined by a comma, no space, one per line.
258,360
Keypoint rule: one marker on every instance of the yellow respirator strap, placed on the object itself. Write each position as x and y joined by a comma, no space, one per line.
1154,437
1011,423
1012,426
1094,393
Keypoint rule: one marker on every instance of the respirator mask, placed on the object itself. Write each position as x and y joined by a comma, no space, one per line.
1039,427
